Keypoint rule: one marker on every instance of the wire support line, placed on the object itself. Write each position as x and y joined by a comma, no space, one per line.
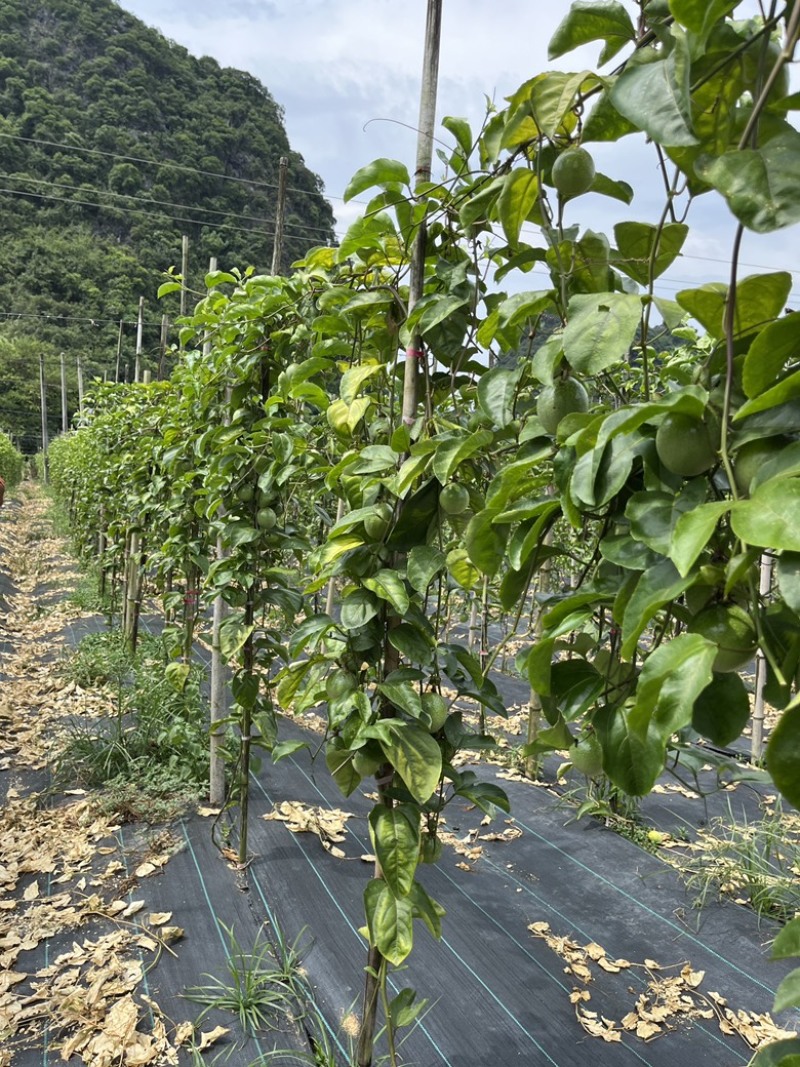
151,200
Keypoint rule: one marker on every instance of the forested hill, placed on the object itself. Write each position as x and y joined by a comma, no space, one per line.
114,142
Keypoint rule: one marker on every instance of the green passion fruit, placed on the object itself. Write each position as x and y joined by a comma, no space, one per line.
587,756
454,499
566,396
684,445
573,172
339,684
732,631
266,519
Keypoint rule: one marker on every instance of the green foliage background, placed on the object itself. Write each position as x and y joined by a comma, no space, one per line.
86,231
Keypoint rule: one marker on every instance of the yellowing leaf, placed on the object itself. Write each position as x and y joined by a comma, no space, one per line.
207,1038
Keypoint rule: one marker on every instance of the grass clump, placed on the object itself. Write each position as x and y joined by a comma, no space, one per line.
155,737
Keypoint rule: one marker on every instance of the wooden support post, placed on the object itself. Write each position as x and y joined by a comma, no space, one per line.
119,351
184,271
280,215
64,414
43,403
163,346
79,364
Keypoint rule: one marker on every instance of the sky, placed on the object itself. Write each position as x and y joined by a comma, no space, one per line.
347,74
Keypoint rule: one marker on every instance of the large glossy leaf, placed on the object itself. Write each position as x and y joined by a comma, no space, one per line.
722,709
759,299
340,763
389,921
769,353
783,755
388,585
653,515
358,607
760,185
552,98
787,941
424,562
784,391
600,330
693,530
589,21
771,517
656,587
462,570
634,740
416,518
450,454
645,250
484,542
416,757
700,16
575,686
395,839
516,201
778,1054
378,172
788,574
655,97
497,393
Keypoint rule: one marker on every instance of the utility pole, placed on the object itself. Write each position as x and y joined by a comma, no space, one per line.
137,367
64,415
280,215
43,403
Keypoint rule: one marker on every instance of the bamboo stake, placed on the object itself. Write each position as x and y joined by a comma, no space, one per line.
79,362
184,271
119,351
757,738
414,354
137,367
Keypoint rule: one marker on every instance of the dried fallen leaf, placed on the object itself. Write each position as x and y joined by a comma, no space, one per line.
207,1038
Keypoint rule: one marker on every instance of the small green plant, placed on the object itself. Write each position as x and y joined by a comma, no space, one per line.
257,990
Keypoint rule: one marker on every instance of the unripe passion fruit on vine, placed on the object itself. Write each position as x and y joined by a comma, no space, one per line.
245,494
573,172
340,683
732,630
684,444
436,708
566,396
751,457
587,756
454,499
430,849
266,519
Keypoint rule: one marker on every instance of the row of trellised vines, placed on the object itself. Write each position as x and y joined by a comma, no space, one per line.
276,461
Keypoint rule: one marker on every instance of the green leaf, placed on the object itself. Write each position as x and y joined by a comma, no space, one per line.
552,96
411,642
389,921
722,709
460,129
575,686
634,739
700,16
463,572
424,563
707,305
760,185
388,585
451,453
287,748
177,674
520,307
233,636
759,299
340,763
653,515
656,587
395,839
415,519
416,757
788,575
654,96
309,633
771,517
787,995
769,353
484,542
497,394
782,393
433,310
787,941
517,200
381,172
168,287
693,530
589,21
600,330
646,251
778,1054
783,755
358,608
427,909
